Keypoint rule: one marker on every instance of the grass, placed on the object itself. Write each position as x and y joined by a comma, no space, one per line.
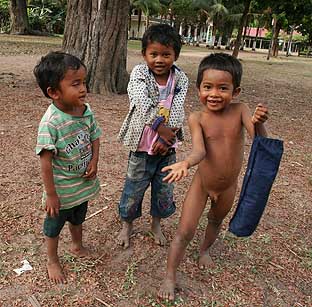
130,279
152,302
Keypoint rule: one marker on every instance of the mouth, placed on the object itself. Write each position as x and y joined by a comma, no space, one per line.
159,67
214,102
82,98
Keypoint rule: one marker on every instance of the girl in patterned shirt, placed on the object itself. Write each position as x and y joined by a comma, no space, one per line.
152,128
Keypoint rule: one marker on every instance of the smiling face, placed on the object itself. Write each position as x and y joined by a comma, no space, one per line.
216,89
159,59
71,92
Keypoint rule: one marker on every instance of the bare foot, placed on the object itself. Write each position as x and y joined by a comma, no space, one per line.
205,261
159,237
124,235
166,291
81,252
55,272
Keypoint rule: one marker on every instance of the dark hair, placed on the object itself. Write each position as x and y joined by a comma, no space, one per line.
51,69
163,34
221,61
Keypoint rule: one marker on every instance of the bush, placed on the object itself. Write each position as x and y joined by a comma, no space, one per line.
47,16
4,16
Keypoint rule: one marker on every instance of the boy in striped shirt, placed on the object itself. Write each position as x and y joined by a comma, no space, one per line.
68,145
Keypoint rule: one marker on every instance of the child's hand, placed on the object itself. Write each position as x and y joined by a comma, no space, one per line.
167,134
53,205
159,147
91,170
260,115
178,171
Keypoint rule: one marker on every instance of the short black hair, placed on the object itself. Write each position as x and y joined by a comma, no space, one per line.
164,34
221,61
51,69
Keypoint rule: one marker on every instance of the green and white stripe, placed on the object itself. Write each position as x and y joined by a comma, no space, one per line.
70,138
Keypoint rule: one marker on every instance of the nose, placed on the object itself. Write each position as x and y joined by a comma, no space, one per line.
214,92
83,88
159,59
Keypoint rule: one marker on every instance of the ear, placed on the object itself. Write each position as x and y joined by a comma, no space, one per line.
53,93
236,92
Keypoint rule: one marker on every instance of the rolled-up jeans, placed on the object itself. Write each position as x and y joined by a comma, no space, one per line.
144,170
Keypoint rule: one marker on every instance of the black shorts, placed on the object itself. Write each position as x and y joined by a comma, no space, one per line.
52,226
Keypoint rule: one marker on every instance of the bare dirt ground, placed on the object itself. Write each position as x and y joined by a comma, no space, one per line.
271,268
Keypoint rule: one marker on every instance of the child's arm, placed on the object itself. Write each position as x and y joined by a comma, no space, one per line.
160,147
139,96
255,124
180,169
259,117
52,202
92,166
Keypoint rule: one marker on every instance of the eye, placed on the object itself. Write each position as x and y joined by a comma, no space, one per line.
224,88
207,87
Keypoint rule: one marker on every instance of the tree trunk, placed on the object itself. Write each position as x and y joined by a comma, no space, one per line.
292,28
245,32
240,29
272,39
254,43
139,22
96,32
275,39
19,18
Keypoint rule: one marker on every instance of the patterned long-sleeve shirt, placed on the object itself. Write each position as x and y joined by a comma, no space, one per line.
143,95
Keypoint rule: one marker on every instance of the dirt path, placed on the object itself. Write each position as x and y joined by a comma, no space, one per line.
271,268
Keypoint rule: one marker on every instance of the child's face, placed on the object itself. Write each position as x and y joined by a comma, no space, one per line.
72,90
159,59
216,90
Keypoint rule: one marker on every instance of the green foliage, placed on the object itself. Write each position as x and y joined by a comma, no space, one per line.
4,16
47,15
149,7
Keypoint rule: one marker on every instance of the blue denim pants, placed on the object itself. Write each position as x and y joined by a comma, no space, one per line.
144,170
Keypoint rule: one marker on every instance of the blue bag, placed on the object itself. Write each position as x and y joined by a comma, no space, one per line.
264,159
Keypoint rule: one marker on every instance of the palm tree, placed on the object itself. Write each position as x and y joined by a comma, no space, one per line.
215,11
148,7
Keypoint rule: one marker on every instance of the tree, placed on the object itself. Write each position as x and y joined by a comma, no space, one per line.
215,11
19,17
240,28
148,7
96,32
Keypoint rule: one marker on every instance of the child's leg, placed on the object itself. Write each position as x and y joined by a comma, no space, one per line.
77,216
162,203
54,268
159,237
77,246
125,233
218,211
192,210
52,227
130,205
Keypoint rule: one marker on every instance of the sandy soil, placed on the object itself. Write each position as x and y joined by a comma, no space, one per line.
271,268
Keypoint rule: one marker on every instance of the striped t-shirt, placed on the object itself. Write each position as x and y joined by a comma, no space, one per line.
70,138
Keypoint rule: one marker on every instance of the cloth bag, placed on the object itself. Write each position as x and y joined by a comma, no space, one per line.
263,163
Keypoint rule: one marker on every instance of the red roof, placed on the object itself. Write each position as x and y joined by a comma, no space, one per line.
253,31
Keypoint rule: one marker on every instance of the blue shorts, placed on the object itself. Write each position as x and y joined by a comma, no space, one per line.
144,170
52,226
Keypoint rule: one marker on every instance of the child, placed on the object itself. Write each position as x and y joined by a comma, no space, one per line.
68,145
150,131
217,148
